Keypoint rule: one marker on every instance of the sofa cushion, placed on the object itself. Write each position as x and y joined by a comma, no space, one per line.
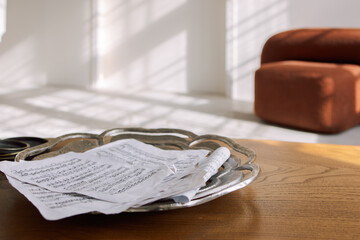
320,45
320,97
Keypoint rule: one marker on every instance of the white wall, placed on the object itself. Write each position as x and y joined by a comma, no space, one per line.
46,41
67,36
176,45
250,23
20,61
324,13
171,45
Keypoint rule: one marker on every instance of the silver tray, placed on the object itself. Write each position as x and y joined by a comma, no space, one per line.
237,172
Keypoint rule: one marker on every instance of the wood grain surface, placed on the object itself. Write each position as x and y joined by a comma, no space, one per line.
304,191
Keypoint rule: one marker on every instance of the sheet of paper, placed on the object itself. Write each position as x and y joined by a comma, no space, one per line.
182,189
54,205
108,179
76,173
138,153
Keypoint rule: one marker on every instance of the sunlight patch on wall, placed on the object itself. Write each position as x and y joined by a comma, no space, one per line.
120,20
161,68
2,18
160,8
18,64
137,49
167,67
249,24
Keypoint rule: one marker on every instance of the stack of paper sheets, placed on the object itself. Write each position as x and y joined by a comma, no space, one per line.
112,178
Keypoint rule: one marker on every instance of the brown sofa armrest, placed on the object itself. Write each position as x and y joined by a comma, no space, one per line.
319,45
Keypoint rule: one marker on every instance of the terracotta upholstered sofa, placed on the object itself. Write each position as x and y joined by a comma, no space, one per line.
310,79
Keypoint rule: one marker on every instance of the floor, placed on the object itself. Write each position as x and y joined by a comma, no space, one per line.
53,111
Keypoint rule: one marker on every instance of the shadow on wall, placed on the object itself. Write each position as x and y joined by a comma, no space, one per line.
165,45
19,55
42,46
175,46
249,24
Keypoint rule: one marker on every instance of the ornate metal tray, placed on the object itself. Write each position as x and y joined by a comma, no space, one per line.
237,172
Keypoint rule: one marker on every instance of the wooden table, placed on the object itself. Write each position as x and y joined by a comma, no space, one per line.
305,191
